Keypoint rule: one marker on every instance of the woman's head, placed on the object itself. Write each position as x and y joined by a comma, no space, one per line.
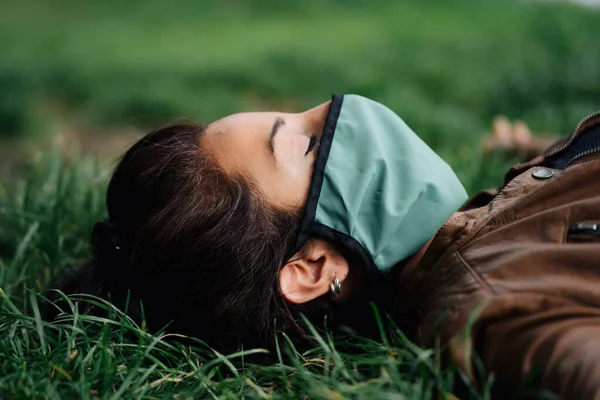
210,228
201,221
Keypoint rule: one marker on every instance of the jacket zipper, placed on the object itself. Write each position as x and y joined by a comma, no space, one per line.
580,155
574,135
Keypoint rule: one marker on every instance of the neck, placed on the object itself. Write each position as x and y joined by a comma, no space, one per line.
411,262
354,284
416,258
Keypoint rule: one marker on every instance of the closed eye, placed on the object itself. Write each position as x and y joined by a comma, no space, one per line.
311,144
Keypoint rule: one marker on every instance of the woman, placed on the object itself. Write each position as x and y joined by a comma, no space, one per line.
227,232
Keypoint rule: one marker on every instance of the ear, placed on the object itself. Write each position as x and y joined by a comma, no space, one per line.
309,272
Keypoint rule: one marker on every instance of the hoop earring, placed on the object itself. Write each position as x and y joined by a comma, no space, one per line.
335,287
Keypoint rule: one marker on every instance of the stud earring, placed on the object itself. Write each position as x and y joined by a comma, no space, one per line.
335,287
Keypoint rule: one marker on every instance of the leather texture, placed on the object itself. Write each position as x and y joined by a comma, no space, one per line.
514,278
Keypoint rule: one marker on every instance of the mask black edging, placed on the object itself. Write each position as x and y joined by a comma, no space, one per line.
357,250
318,171
308,225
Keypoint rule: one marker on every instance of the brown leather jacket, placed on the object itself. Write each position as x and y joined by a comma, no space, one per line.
515,278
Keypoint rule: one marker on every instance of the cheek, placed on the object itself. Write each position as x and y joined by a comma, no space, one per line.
286,186
292,190
292,152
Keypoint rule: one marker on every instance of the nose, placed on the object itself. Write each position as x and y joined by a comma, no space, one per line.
315,117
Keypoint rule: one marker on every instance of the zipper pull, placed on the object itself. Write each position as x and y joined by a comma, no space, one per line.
584,227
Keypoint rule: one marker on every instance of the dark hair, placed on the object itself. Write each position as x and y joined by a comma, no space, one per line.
200,249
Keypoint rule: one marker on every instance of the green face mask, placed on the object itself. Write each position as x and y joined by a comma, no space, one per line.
377,189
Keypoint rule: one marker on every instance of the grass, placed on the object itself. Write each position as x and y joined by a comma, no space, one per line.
447,67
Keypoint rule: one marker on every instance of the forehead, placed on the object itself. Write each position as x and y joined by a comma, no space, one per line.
236,140
241,121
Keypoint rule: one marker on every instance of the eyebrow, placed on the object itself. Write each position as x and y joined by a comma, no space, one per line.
278,122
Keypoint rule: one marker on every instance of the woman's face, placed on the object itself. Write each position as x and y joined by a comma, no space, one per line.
276,150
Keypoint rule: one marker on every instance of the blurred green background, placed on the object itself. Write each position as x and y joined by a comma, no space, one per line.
447,67
93,72
95,75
